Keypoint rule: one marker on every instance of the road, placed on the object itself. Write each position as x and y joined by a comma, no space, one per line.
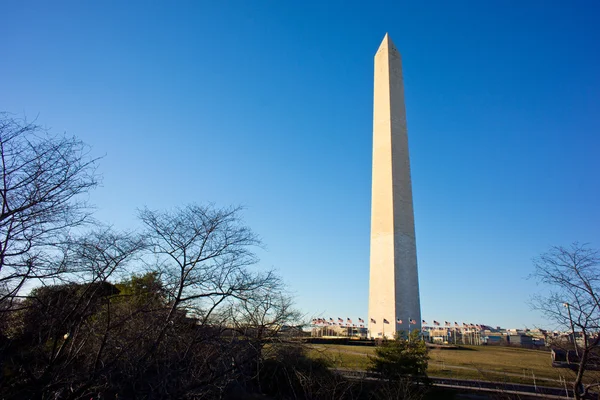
520,390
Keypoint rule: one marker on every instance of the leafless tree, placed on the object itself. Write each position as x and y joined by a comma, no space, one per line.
573,301
266,310
42,180
203,255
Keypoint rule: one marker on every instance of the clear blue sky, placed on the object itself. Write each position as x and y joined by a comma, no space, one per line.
269,105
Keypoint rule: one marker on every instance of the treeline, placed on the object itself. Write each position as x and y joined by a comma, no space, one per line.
175,311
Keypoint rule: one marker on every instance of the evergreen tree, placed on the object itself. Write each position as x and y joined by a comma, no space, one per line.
402,359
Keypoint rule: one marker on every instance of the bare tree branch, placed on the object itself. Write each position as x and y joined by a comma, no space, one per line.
573,301
42,181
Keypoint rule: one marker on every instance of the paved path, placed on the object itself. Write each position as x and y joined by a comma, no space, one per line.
520,390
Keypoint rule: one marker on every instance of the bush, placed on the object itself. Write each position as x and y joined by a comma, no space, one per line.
402,359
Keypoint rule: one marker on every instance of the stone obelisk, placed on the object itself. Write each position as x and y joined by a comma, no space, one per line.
394,282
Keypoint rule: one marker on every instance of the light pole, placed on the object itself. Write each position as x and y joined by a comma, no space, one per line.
568,307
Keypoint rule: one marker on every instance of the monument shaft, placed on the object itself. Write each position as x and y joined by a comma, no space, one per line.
394,282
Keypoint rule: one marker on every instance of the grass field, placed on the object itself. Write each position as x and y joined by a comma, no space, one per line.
491,363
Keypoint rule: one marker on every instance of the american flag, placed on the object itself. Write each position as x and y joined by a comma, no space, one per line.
456,323
446,323
424,322
436,323
372,321
361,320
349,320
385,321
412,321
340,320
399,321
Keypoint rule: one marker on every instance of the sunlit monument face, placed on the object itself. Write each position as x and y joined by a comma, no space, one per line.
394,283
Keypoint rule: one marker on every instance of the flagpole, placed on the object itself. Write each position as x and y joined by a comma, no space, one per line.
454,331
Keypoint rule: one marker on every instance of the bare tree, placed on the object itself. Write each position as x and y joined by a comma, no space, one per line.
263,313
202,254
42,178
573,302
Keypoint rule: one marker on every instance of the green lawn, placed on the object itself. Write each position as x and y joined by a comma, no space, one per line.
493,363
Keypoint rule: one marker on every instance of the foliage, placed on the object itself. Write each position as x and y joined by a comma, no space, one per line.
190,330
142,290
286,371
402,358
92,338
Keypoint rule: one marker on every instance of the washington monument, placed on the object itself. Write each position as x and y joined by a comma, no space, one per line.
394,282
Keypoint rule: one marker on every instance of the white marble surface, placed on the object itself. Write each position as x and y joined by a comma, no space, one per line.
394,282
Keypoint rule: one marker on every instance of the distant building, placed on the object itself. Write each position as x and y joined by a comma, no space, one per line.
337,331
292,331
520,340
494,339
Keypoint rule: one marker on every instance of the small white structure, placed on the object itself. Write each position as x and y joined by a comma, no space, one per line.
394,284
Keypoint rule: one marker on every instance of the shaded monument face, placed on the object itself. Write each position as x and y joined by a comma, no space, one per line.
394,283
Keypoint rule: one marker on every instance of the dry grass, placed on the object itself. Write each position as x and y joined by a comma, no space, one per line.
493,363
342,356
499,359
